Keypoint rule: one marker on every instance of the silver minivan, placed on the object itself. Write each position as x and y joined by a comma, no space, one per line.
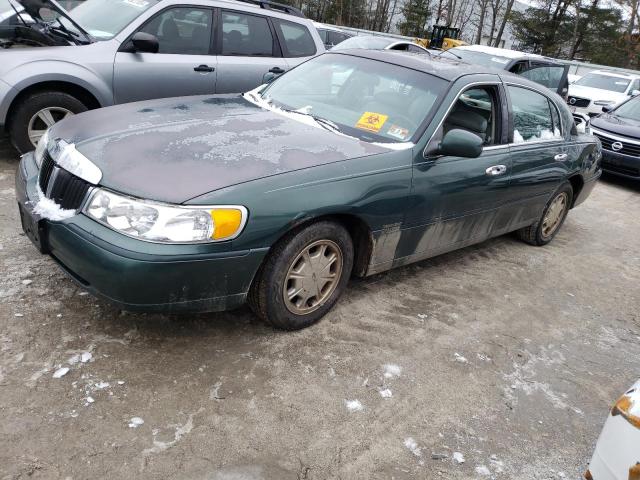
105,52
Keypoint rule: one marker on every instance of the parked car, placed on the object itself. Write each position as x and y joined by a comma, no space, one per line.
278,196
617,453
373,42
120,51
619,132
543,70
330,35
600,88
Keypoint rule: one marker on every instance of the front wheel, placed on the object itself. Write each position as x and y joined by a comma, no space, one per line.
552,218
37,112
303,276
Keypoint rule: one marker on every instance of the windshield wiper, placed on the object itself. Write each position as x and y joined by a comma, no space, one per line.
323,122
451,53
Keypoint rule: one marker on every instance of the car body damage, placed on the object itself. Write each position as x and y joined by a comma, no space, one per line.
617,452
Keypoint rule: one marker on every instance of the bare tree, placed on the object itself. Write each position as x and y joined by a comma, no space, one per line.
503,24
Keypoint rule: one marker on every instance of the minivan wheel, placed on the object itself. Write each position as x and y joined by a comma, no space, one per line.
552,218
303,276
37,112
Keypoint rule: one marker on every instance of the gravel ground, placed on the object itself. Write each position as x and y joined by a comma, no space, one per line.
505,354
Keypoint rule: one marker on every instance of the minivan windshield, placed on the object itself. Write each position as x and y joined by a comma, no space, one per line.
629,109
364,98
103,19
604,82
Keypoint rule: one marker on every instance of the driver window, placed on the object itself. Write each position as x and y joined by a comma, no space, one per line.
182,30
476,111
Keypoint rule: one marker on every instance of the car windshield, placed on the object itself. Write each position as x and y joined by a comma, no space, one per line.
604,82
103,19
477,58
373,43
368,99
630,109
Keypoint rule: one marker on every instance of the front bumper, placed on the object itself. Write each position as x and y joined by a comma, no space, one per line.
137,275
620,164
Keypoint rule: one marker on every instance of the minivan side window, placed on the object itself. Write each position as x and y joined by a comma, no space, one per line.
298,42
182,30
532,116
246,35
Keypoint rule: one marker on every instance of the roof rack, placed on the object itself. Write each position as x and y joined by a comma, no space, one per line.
269,5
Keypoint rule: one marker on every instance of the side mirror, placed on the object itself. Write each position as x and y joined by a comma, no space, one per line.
460,143
145,42
634,93
607,108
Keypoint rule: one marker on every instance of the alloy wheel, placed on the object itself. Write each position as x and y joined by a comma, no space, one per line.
555,214
44,119
312,277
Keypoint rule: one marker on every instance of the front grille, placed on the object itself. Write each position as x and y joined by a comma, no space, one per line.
64,188
579,102
627,148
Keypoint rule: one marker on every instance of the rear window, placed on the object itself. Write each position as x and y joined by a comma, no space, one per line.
246,35
298,41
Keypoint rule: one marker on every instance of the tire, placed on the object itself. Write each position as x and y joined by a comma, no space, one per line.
273,283
535,234
27,109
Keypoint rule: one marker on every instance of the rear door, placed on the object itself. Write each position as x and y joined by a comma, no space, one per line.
538,150
247,48
184,64
295,40
552,75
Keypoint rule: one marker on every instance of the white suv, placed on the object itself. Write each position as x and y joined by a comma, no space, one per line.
600,88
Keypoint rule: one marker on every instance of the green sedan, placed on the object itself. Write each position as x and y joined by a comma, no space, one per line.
353,163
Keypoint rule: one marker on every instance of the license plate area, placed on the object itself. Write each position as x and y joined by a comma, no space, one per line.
34,229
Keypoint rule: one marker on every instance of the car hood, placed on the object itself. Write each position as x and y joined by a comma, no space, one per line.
173,150
615,124
595,94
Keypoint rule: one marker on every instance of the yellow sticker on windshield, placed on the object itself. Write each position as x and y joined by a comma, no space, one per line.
371,121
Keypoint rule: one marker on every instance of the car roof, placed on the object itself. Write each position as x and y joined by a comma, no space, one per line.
498,52
324,26
610,73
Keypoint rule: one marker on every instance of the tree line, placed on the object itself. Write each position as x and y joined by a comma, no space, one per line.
589,30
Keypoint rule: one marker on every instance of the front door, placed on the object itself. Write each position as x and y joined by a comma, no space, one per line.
183,65
554,76
247,50
458,201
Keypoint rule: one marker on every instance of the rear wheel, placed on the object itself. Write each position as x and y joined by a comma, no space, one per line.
37,112
303,276
552,218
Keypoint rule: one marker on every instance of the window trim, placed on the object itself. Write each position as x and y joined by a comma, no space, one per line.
469,86
283,42
276,50
126,45
511,125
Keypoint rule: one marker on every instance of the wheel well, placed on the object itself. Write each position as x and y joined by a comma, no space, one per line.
72,89
576,183
360,235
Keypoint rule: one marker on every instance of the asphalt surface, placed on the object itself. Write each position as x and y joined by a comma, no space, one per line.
509,355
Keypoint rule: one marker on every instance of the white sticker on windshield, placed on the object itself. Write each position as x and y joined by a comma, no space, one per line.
499,60
137,3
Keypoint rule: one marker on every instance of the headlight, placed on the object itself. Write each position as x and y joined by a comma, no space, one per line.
163,223
604,102
41,148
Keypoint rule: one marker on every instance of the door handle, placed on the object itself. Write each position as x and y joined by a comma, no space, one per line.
560,157
276,70
203,68
496,170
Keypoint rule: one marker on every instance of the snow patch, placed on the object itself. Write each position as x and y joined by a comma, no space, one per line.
482,470
135,422
412,445
27,282
458,457
386,393
47,208
353,405
61,372
181,431
459,358
391,370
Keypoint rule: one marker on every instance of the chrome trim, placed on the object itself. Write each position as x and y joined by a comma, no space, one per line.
611,136
52,180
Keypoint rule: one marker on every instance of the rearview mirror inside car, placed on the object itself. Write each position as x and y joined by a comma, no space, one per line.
606,108
635,93
460,143
145,42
